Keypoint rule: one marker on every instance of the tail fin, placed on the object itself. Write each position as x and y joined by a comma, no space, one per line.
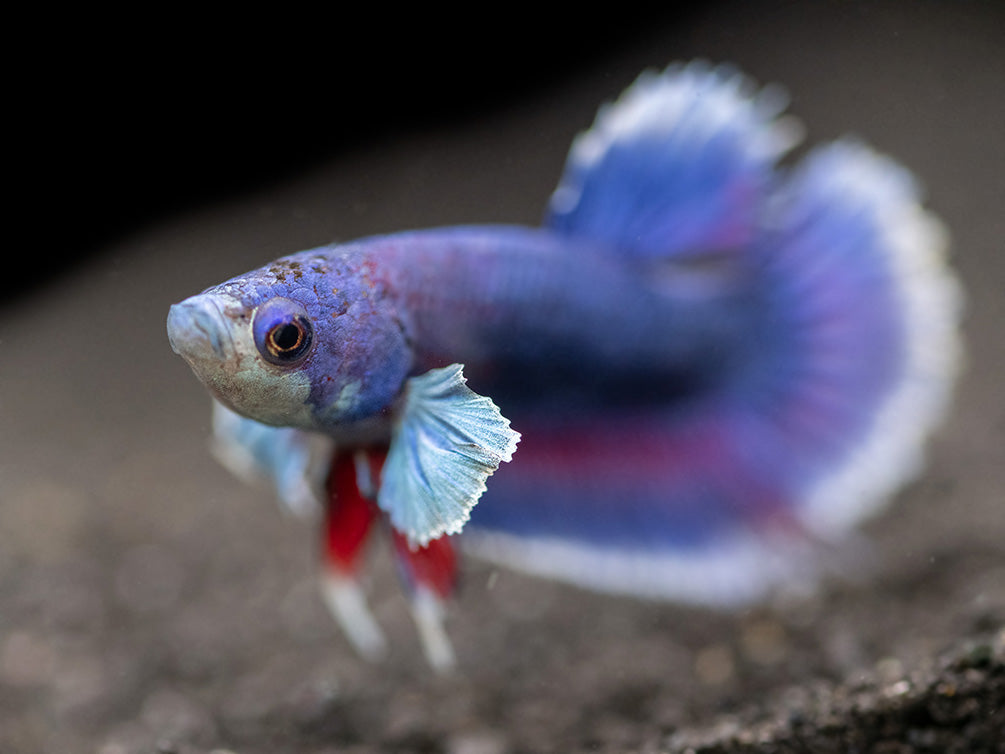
852,355
862,314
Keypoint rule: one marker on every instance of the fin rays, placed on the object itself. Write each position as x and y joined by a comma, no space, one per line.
448,441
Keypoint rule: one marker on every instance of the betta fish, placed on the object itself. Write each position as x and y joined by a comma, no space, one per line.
710,359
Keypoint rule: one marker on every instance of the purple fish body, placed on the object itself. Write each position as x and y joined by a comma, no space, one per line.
491,298
706,356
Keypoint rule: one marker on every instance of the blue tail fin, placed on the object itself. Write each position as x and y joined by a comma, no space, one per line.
852,354
861,318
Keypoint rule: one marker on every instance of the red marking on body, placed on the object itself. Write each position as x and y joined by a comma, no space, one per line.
611,447
643,454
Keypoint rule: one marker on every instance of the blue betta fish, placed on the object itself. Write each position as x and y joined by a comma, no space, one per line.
710,362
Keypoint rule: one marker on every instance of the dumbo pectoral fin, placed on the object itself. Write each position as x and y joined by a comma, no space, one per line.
446,443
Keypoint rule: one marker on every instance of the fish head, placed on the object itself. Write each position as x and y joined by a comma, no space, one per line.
304,342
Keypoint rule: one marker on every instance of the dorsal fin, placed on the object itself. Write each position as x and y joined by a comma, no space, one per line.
681,162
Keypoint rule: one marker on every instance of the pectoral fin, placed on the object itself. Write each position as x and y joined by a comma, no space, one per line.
446,443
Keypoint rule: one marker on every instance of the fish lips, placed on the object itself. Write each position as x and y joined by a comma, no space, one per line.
199,331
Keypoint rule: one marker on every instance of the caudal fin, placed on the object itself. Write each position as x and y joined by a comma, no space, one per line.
852,353
861,344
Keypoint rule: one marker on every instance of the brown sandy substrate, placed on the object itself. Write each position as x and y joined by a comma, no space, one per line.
149,602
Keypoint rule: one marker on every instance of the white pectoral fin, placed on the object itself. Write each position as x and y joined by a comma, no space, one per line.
446,443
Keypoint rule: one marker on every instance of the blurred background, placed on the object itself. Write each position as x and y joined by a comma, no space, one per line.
150,602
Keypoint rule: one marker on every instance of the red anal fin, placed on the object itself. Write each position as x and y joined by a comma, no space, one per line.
348,521
433,567
349,516
430,574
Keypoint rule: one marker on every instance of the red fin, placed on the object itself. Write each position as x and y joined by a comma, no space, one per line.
430,573
433,567
349,516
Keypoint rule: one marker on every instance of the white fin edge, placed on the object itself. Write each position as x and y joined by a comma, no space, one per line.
931,300
347,605
731,573
709,98
428,613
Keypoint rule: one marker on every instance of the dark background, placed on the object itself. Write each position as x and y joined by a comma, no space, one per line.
129,120
150,602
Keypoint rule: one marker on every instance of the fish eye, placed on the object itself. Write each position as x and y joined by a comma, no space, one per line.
283,332
288,340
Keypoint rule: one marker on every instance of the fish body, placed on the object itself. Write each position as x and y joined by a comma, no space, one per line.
529,313
708,359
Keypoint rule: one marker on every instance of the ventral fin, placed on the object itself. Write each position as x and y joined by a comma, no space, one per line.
446,443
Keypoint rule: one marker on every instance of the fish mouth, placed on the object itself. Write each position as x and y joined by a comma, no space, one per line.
198,330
